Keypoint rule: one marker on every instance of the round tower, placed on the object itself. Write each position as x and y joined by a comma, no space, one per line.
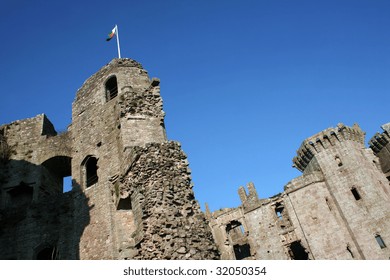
357,188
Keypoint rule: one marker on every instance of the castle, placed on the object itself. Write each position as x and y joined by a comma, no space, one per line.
132,196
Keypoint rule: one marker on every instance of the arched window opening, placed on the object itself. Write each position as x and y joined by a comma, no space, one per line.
91,168
111,88
58,172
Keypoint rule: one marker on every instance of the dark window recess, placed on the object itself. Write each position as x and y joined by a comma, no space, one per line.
91,171
279,210
111,88
124,204
297,251
356,194
234,225
48,253
242,251
380,241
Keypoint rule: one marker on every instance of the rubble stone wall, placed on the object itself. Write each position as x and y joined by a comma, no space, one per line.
168,217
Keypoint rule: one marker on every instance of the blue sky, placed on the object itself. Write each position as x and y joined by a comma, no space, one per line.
243,82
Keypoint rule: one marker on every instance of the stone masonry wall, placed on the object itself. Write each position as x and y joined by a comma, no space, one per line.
338,209
170,223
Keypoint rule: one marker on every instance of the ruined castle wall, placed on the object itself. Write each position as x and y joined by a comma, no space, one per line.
142,117
219,222
31,141
45,225
169,222
116,140
23,138
35,214
265,233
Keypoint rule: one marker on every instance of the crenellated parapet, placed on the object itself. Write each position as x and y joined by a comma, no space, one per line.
380,140
324,140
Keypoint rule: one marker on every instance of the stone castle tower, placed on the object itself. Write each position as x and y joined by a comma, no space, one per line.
338,209
132,196
131,192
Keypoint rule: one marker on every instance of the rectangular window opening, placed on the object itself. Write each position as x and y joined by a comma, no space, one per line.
124,204
242,251
356,194
380,241
297,251
279,211
67,184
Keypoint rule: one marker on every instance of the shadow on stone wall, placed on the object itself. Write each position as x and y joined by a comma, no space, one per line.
36,223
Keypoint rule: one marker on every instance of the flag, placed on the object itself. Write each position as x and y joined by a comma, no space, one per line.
112,34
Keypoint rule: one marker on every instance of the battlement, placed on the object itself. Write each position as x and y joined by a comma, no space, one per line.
380,140
324,140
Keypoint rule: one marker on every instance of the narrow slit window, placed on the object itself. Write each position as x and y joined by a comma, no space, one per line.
380,241
356,194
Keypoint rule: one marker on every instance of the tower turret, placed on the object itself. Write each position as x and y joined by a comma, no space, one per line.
354,183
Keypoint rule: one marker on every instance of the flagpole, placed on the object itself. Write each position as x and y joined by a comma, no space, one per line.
117,41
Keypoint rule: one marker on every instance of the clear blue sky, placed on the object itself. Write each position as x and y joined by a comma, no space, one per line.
243,82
